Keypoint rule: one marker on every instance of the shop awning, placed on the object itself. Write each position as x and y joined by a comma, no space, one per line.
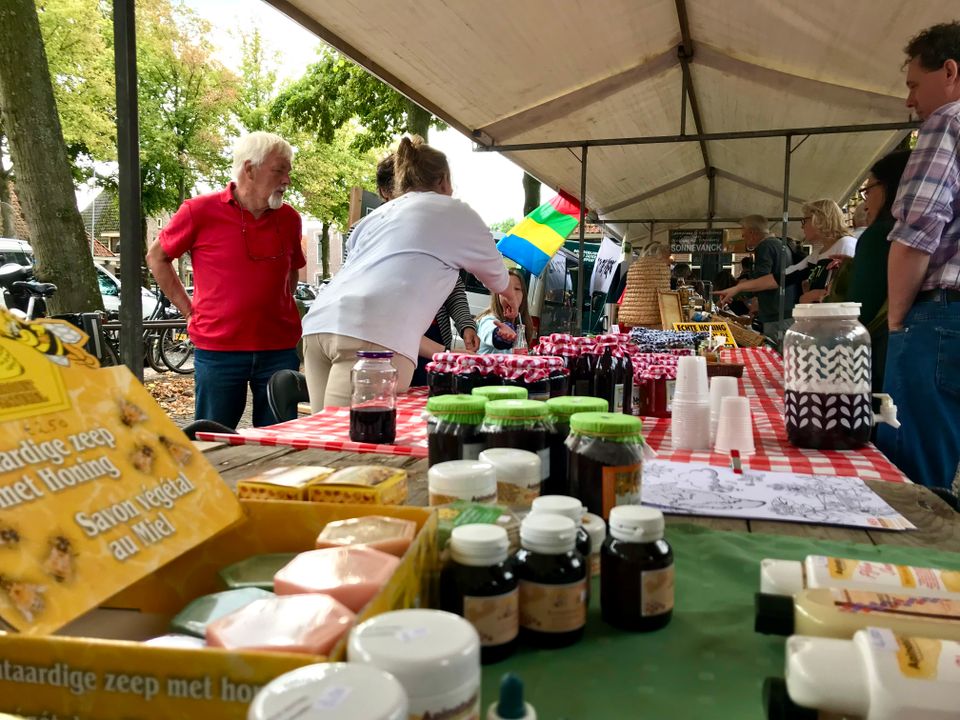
506,72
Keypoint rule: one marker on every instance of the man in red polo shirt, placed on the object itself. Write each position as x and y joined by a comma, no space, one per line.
244,243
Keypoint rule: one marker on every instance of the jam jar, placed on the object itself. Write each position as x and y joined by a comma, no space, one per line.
520,424
453,428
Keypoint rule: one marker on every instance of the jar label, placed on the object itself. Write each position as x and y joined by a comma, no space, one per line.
618,398
671,386
621,486
517,495
544,463
656,591
553,608
879,603
428,709
919,658
595,563
496,618
471,451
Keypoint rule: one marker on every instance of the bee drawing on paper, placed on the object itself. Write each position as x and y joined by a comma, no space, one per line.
142,457
26,597
181,454
59,563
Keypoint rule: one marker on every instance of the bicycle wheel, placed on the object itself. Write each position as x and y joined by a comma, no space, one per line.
176,350
151,351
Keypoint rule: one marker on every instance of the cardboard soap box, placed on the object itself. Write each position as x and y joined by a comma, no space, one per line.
110,679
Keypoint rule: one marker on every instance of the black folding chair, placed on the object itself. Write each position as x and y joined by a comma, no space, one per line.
285,390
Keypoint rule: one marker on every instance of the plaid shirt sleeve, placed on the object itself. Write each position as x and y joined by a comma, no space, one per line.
927,196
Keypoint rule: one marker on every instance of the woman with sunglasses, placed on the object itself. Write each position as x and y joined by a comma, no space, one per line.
868,275
824,228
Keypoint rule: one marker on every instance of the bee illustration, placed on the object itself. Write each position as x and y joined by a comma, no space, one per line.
142,458
25,597
130,414
181,454
9,536
59,563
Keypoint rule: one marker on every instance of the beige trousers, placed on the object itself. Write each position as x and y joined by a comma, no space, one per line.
328,360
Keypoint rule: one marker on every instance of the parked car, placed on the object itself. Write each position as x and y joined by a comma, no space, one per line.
110,292
305,294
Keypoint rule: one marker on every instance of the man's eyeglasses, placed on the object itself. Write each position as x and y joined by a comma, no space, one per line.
865,189
262,248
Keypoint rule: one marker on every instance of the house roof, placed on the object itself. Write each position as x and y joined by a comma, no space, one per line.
102,214
508,73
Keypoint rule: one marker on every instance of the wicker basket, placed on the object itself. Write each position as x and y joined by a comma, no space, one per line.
745,337
640,307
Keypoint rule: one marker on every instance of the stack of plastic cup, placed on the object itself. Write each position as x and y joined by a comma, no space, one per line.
735,428
720,387
690,409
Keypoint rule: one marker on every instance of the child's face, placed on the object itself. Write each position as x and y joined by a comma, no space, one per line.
510,299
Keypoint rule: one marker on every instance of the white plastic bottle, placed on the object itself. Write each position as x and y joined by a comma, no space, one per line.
788,577
876,676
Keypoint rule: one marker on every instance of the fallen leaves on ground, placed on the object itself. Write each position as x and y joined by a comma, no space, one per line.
173,393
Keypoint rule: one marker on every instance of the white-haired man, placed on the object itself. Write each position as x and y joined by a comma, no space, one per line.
770,258
244,245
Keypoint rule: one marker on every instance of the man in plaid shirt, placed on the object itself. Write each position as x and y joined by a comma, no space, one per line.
923,360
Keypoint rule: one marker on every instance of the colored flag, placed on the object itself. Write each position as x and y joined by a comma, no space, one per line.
536,238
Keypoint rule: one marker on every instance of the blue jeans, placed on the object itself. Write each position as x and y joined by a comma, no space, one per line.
222,377
923,377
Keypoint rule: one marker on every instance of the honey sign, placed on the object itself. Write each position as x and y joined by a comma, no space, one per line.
716,329
98,488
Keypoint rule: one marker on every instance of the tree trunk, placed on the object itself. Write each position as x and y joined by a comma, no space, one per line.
418,120
44,180
325,249
531,194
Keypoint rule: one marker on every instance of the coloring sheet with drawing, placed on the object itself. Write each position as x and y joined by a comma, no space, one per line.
691,489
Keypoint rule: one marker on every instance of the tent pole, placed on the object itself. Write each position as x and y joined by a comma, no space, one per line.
128,156
783,231
583,211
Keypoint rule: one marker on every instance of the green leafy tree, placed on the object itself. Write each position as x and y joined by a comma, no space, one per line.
504,226
257,85
334,91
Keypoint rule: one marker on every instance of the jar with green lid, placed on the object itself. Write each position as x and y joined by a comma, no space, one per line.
520,424
500,392
605,460
561,408
453,428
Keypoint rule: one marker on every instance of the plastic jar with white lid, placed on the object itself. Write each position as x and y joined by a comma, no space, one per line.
518,475
597,530
462,480
331,691
569,507
434,654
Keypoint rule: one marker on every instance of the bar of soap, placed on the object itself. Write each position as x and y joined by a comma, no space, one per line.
361,484
390,535
351,575
282,483
310,624
176,641
255,571
195,617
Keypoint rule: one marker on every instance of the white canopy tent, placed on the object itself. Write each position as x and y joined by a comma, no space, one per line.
660,92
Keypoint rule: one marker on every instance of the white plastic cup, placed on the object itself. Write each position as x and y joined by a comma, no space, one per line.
735,426
691,377
720,387
690,424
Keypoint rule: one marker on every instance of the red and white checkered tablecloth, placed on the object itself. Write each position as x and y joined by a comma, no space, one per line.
762,382
329,429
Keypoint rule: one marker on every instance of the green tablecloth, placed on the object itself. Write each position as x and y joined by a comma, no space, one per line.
707,663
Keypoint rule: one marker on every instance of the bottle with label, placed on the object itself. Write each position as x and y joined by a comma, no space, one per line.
788,577
520,424
518,475
373,401
636,570
453,428
561,409
825,612
626,393
606,375
876,676
606,452
553,582
480,585
582,375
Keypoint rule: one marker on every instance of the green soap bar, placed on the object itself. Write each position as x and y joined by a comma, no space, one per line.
195,617
256,571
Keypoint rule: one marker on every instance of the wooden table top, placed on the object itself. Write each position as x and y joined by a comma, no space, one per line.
938,525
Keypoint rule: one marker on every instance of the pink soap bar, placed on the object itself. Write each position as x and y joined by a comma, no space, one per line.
391,535
352,575
310,624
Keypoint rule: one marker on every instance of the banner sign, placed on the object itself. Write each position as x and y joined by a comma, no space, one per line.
696,241
605,266
720,329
